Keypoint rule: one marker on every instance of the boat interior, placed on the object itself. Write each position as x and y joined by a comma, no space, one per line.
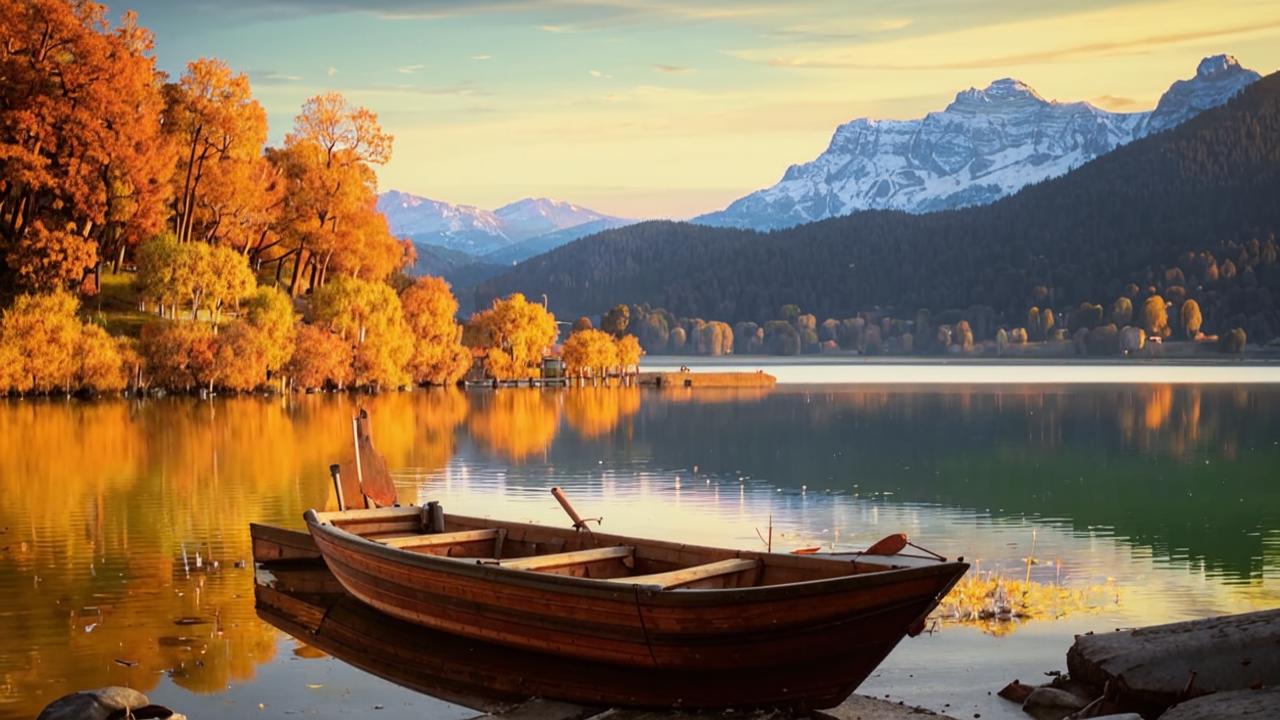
653,564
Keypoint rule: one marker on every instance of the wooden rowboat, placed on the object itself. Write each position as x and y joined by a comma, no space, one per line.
627,601
306,601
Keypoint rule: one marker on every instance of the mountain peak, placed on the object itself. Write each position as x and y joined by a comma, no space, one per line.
1216,64
1002,92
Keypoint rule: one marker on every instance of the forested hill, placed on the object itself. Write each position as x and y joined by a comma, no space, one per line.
1211,184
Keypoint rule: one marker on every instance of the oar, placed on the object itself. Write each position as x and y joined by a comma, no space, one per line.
578,522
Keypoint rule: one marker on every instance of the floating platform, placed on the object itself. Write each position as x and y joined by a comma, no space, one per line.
755,379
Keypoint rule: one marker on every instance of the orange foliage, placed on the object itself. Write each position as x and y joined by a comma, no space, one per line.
438,355
179,355
320,358
368,315
81,152
588,352
328,216
218,130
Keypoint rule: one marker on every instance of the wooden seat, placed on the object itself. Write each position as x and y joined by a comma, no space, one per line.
565,559
438,539
686,576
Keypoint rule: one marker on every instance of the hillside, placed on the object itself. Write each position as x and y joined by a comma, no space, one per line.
1210,184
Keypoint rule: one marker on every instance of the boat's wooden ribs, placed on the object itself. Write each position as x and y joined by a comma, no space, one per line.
565,559
686,576
438,539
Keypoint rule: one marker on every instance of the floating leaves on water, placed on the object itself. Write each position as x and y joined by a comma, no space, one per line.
998,605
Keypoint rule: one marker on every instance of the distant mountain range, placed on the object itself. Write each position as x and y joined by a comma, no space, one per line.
538,223
985,145
1190,212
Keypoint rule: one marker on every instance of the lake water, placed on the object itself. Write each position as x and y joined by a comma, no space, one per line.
1160,501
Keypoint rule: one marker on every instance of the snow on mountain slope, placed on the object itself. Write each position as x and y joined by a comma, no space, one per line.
458,227
986,144
476,231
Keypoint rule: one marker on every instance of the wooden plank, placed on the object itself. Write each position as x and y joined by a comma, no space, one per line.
576,557
685,576
437,539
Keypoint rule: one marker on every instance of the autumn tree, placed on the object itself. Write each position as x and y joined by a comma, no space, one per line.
1191,320
616,321
44,333
218,130
1233,341
320,358
516,334
179,355
369,316
590,352
629,351
331,190
582,323
1155,317
431,312
1122,311
202,276
83,164
269,312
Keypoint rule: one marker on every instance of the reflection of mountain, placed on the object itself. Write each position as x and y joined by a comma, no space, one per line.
1188,472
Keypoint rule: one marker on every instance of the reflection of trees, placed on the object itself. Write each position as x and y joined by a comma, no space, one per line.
100,498
515,423
594,411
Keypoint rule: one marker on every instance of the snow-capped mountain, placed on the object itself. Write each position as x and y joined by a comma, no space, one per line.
477,231
1217,79
458,227
986,144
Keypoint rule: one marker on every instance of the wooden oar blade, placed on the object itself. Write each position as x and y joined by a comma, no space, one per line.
371,475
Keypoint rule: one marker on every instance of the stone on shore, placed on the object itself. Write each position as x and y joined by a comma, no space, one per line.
105,703
1047,703
1237,704
1150,669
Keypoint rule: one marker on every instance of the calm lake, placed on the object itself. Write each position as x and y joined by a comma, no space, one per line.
123,523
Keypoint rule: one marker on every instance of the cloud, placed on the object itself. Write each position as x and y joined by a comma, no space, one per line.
598,74
1115,102
410,69
481,57
332,71
271,77
845,60
461,89
672,69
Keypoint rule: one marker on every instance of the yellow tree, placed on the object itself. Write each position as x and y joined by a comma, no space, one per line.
516,334
327,163
226,278
590,352
270,311
629,351
44,334
1191,319
218,130
100,363
1155,317
431,311
368,315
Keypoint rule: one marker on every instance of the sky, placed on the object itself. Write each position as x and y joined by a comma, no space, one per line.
669,108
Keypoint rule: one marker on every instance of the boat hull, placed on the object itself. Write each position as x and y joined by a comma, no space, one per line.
852,621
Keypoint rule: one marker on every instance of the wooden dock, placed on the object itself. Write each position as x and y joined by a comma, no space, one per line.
757,379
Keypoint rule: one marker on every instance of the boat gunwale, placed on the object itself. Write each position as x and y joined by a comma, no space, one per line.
616,589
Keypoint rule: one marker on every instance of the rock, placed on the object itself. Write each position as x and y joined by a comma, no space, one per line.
1122,716
1046,703
1016,691
1153,668
107,703
1239,704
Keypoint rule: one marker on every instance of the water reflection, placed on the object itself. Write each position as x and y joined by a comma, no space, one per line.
1169,489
